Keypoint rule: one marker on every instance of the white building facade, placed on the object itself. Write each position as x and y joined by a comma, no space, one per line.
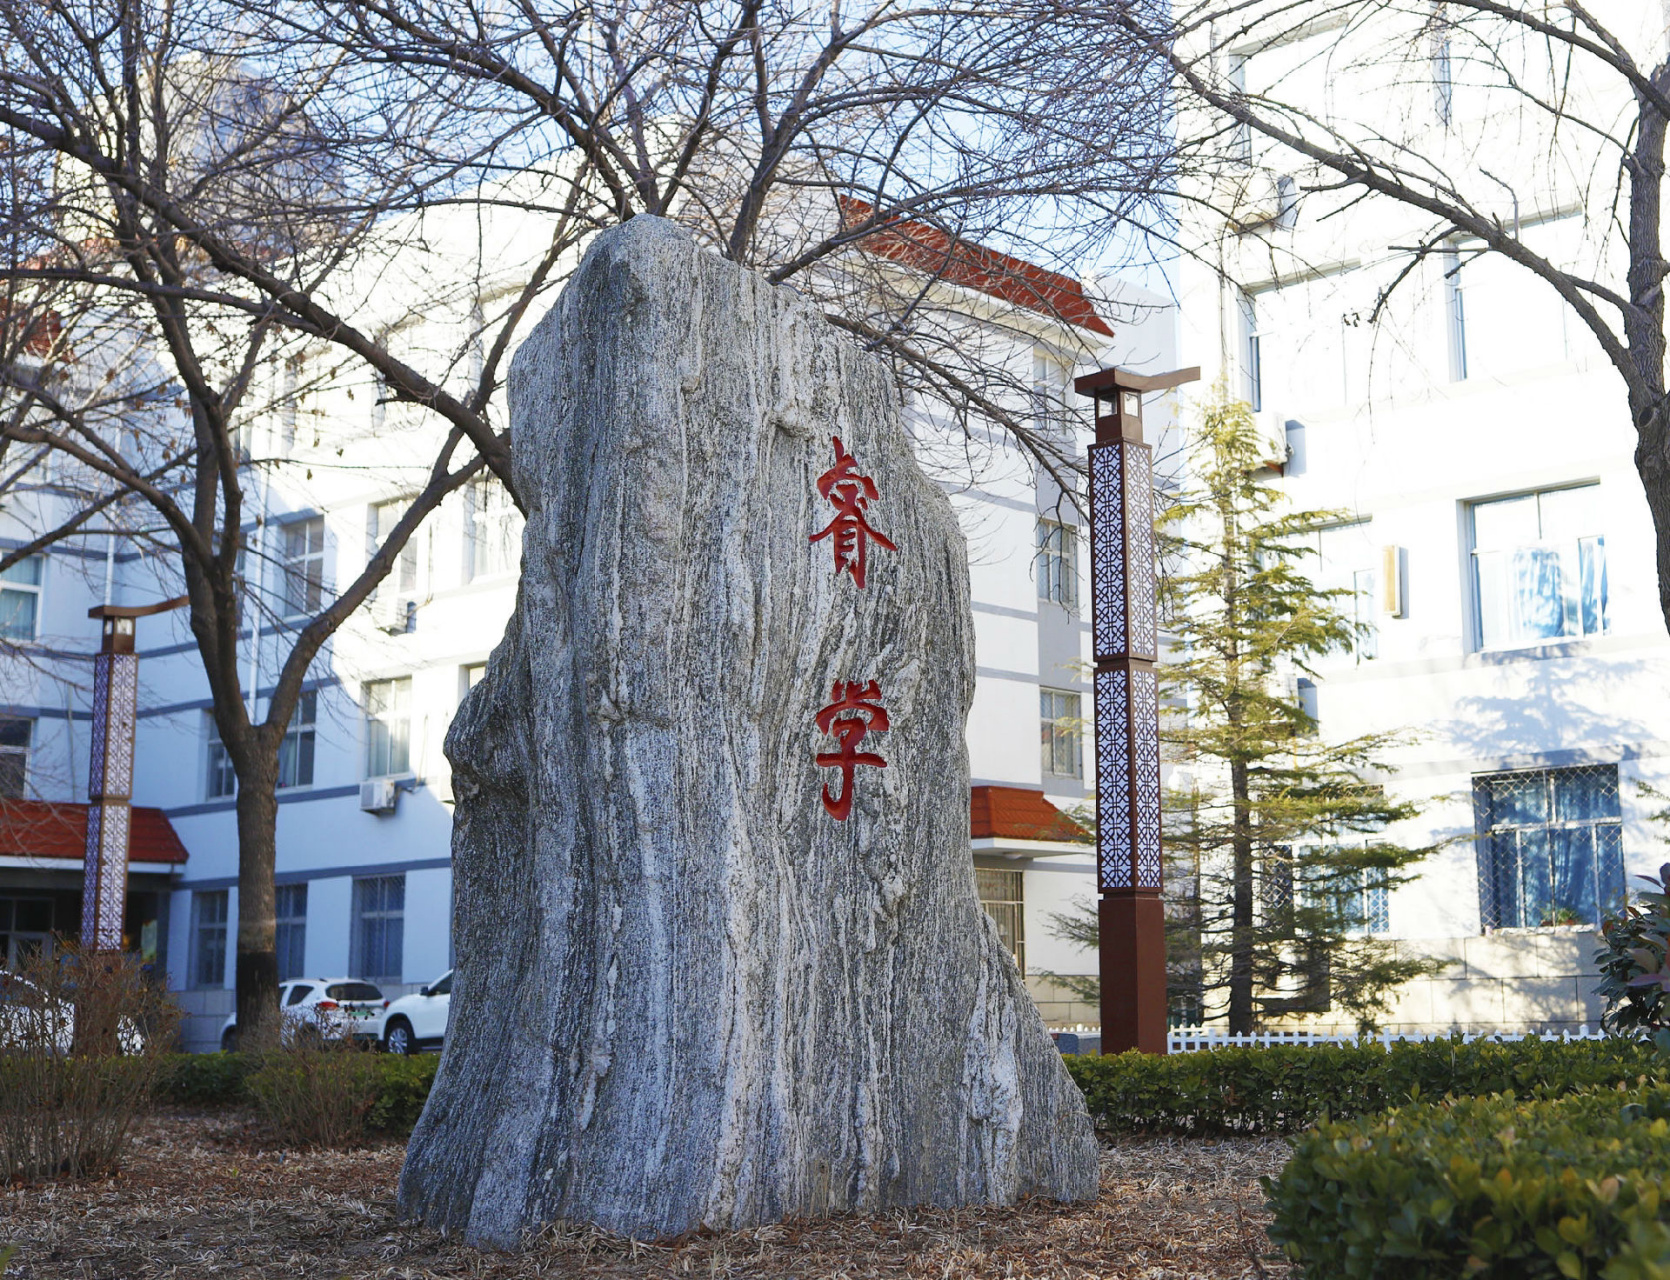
1491,530
364,815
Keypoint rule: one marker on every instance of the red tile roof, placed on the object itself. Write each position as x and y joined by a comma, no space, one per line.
53,829
1018,813
973,266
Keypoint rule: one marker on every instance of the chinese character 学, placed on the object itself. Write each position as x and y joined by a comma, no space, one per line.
854,710
850,493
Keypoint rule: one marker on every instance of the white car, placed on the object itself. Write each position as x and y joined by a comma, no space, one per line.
335,1006
417,1022
30,1019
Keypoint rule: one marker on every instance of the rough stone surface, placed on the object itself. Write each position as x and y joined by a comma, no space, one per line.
686,996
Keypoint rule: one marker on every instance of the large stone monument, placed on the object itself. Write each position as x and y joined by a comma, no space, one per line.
720,958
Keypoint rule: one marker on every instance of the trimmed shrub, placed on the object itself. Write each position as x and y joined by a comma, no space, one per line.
399,1085
315,1094
205,1079
1492,1188
1285,1088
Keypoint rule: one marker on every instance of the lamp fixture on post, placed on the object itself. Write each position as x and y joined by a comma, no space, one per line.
104,886
1131,917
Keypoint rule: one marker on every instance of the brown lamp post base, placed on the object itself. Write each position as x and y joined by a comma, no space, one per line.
1133,972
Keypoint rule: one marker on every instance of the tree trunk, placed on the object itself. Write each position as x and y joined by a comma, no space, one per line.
1644,327
692,988
257,954
1241,914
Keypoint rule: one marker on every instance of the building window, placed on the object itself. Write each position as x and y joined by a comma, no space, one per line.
1455,315
304,566
1001,894
295,753
492,530
1345,558
290,911
388,727
380,522
1375,910
1443,84
1252,354
379,928
16,733
1241,140
208,938
20,598
1062,733
472,675
1539,567
1057,566
1550,846
1050,383
222,779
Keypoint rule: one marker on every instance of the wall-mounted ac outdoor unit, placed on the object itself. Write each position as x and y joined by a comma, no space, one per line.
395,614
1272,439
378,795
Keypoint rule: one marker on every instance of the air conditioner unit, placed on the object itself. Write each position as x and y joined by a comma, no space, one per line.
1252,196
395,614
1273,449
378,795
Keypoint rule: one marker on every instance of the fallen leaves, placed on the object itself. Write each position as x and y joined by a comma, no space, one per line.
196,1198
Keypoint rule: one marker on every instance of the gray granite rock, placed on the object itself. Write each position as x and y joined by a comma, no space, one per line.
686,994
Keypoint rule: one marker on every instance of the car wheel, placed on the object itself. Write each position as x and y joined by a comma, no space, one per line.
229,1040
398,1037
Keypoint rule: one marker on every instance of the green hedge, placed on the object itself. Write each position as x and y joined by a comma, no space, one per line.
219,1079
1284,1088
1490,1188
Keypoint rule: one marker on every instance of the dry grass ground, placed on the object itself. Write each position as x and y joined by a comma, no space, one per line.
200,1198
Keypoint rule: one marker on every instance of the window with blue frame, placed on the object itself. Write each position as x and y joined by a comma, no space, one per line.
1550,846
1539,567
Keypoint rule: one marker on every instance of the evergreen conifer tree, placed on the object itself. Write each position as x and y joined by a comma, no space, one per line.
1277,856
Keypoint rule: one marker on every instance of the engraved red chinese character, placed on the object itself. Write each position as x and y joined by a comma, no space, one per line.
850,493
854,711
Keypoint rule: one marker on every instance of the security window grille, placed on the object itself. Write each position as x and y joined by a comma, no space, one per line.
493,530
208,938
380,522
15,735
222,779
388,727
20,599
1061,733
1002,896
1057,565
1550,846
295,752
1539,567
1294,886
379,928
304,566
290,909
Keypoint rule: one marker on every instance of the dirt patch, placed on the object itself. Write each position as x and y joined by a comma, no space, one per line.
200,1198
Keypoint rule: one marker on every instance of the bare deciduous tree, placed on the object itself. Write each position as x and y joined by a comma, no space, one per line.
203,195
1487,118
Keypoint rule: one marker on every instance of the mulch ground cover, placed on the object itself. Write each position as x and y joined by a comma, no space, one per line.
201,1196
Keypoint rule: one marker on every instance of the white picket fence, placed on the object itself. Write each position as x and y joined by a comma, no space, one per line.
1195,1039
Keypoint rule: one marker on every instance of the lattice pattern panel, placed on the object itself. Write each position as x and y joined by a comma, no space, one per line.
1113,780
1145,717
1107,548
1139,568
104,880
115,693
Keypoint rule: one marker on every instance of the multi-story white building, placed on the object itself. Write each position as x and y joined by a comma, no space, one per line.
1491,528
364,814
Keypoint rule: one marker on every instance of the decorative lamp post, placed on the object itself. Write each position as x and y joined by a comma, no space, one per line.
110,777
1122,566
